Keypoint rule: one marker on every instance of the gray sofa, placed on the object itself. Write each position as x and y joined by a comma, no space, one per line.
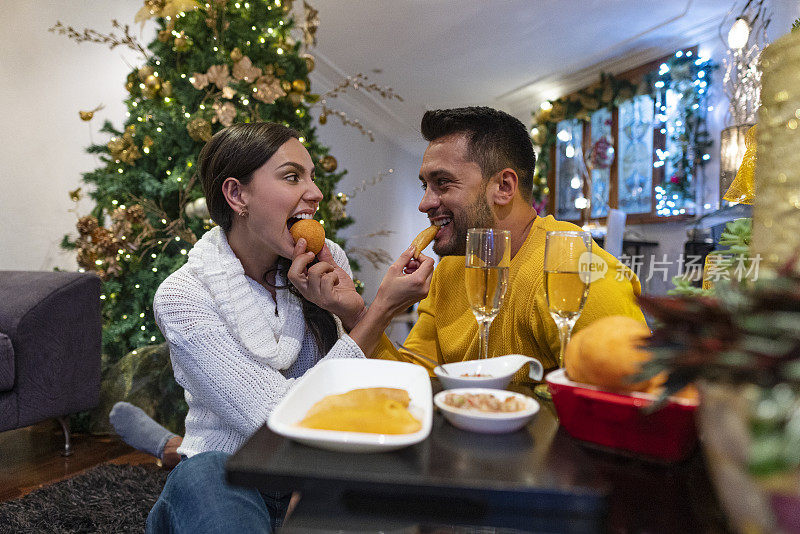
49,347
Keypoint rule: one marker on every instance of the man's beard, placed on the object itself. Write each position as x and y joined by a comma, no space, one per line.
476,215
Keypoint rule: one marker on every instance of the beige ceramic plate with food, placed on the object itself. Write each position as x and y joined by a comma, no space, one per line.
340,376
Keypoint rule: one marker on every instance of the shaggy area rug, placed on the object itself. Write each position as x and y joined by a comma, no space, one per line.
106,498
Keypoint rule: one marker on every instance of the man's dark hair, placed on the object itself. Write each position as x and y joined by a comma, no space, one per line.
495,140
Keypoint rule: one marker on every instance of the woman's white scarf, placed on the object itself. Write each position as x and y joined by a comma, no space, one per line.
275,340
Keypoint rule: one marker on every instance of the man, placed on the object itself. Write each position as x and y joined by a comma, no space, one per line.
478,172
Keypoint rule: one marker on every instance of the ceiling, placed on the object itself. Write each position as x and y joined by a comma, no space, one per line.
509,54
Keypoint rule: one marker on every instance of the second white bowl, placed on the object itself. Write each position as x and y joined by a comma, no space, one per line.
498,372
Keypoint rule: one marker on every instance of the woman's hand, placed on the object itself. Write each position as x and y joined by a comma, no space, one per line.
406,282
326,284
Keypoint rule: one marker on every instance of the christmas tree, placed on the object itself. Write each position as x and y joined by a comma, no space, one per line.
212,64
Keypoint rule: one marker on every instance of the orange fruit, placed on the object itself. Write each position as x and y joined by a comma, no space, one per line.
310,230
607,352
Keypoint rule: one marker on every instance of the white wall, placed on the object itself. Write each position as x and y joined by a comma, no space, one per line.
44,80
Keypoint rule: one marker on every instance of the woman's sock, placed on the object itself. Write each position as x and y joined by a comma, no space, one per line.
138,429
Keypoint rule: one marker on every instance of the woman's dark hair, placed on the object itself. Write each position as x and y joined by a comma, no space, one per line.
496,140
238,151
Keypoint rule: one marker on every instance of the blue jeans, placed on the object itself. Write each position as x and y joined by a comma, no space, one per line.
197,499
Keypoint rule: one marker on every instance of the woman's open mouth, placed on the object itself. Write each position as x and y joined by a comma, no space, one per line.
294,218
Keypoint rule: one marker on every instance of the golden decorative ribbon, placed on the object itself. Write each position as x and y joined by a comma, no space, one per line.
743,189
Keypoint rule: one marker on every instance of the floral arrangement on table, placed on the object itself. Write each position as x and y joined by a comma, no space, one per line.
731,260
742,349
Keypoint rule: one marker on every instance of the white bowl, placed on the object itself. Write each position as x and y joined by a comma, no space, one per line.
340,376
486,422
500,370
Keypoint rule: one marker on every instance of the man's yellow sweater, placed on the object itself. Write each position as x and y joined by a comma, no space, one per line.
448,332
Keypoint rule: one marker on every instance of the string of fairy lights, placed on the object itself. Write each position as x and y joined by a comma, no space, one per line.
681,107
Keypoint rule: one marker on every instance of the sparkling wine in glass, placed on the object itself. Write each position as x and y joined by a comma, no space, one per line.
567,262
488,257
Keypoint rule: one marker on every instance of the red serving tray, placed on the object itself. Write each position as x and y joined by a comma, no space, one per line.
616,420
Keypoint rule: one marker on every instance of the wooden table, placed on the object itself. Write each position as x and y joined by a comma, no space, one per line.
537,479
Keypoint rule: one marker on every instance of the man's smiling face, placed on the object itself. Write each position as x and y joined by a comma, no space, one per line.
455,194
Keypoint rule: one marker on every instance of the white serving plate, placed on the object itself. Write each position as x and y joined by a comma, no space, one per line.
340,376
501,369
485,422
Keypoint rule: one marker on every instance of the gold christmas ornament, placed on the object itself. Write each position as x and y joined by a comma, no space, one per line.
164,8
199,129
310,63
181,43
329,163
268,89
152,83
225,113
144,72
299,86
286,85
130,86
323,118
228,92
89,115
236,54
75,195
124,149
135,214
219,75
86,225
295,98
244,70
166,88
342,198
198,80
147,142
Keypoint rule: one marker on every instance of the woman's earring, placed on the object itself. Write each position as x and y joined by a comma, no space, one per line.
244,212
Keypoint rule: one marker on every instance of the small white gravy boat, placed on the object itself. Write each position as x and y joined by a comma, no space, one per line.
495,373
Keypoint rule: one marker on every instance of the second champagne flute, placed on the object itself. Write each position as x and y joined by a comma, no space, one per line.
567,256
488,257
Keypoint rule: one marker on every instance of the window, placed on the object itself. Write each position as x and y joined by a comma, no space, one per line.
633,142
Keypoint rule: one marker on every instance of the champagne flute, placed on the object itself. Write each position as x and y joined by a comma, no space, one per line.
567,260
488,257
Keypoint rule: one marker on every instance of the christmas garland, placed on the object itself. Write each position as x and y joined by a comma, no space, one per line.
684,73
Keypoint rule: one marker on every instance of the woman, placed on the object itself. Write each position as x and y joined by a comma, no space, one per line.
249,312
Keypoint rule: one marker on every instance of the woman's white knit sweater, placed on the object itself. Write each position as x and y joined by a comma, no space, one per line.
232,348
